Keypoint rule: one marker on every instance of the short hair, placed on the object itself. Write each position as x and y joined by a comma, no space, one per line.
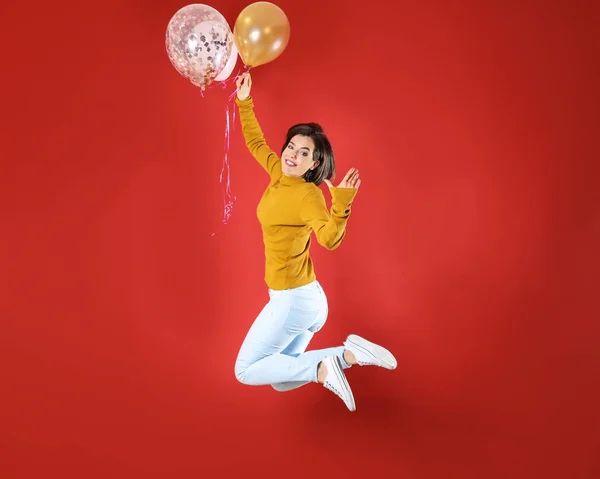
323,151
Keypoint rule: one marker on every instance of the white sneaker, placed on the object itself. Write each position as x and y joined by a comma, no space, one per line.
336,381
370,354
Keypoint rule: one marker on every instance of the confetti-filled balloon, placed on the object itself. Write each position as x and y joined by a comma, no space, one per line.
199,43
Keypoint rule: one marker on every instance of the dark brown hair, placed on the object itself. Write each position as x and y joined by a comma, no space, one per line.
323,151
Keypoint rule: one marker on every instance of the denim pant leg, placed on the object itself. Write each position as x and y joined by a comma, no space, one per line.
295,348
288,315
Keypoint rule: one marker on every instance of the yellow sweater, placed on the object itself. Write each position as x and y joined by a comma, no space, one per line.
289,210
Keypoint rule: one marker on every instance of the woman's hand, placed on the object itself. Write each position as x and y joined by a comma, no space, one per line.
244,84
351,180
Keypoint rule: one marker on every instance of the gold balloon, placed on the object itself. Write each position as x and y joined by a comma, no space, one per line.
261,32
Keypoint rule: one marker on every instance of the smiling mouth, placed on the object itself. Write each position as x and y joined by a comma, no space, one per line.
290,163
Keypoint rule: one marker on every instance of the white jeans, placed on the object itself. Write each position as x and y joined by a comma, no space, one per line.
273,351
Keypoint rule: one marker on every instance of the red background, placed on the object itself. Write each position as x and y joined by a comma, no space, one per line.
471,251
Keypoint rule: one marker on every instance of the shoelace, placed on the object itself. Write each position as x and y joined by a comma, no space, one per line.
358,352
366,363
331,387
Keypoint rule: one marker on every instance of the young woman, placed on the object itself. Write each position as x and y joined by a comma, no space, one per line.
274,350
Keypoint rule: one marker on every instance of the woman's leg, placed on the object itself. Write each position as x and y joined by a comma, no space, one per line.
288,321
274,350
261,362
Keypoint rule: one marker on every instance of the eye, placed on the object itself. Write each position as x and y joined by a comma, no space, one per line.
305,154
290,147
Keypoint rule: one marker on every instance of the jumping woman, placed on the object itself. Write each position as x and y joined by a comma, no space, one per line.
291,208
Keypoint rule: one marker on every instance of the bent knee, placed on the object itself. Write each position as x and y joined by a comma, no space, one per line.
240,371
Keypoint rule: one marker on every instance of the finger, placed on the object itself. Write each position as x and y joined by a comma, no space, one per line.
353,177
348,175
241,81
357,184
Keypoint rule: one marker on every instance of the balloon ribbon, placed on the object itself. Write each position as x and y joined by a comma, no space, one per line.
230,121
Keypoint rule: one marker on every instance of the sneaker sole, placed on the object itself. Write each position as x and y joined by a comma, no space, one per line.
378,353
339,372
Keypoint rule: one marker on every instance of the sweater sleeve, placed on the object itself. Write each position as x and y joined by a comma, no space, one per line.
329,226
255,140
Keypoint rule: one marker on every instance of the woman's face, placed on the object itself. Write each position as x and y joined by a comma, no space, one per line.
297,157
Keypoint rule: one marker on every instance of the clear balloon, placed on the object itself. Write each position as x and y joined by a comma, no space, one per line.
199,43
261,32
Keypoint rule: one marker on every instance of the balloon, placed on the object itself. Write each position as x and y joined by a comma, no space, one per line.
262,32
230,65
231,59
199,43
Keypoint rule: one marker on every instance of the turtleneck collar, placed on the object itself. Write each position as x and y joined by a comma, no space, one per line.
291,180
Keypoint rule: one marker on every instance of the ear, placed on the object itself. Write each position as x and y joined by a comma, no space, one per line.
315,164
